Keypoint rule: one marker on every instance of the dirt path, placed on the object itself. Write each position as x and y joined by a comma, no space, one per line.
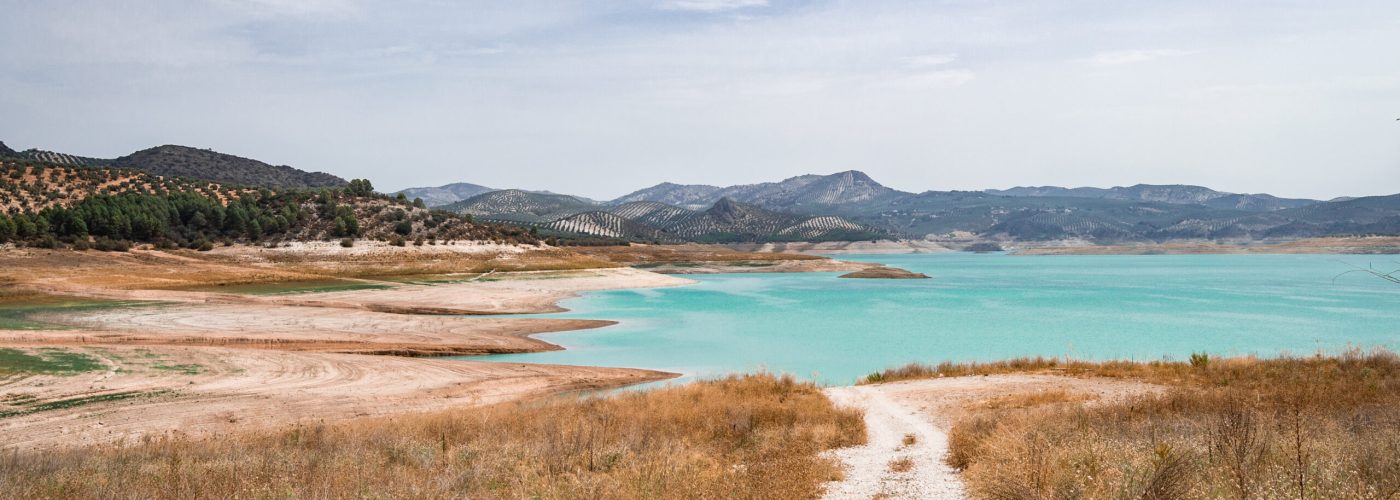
924,408
875,469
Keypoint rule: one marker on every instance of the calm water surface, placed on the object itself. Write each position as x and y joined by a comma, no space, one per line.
983,307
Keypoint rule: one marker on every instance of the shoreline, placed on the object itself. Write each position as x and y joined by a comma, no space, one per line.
215,362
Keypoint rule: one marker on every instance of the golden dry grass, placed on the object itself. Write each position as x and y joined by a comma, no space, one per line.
1313,427
755,436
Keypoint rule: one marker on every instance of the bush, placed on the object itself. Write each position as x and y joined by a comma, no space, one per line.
396,240
347,242
111,245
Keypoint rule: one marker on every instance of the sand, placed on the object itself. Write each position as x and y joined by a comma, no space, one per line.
204,390
204,362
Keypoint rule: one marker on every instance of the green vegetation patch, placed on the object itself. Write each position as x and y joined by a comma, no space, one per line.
47,361
16,308
187,368
32,407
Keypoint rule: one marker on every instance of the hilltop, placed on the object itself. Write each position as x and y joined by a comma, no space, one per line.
182,161
50,205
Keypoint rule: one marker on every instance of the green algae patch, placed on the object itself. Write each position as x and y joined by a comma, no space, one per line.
18,308
25,407
46,361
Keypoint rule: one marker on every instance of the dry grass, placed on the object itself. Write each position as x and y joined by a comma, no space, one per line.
898,465
1315,427
754,436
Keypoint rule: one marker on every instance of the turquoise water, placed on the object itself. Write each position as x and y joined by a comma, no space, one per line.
984,307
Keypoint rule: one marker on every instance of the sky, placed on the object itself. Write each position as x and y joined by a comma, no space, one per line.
600,98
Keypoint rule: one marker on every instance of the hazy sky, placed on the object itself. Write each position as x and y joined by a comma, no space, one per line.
598,98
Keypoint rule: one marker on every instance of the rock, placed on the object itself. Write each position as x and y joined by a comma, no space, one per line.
889,273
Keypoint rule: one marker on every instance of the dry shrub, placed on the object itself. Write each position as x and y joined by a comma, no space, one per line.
900,465
1316,427
755,436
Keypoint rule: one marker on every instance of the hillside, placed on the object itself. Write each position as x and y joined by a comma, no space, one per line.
683,195
521,206
1177,194
446,194
794,194
181,161
51,205
730,221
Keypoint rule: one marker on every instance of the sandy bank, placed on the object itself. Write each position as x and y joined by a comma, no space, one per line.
152,391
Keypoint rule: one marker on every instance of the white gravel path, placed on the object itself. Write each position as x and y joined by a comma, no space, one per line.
867,467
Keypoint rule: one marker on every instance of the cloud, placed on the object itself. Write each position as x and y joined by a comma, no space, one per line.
712,5
1119,57
930,60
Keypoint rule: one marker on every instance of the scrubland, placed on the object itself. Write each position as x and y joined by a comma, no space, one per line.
1291,427
756,436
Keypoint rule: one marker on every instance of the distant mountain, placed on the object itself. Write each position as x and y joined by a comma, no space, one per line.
195,163
724,221
804,193
521,206
691,196
445,194
1178,194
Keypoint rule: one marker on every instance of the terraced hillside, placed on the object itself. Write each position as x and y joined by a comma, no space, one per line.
60,158
731,221
521,206
181,161
652,213
608,224
31,187
51,206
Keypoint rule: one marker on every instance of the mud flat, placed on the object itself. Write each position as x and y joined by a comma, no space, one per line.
148,391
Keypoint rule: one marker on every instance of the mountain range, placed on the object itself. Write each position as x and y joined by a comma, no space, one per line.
848,203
